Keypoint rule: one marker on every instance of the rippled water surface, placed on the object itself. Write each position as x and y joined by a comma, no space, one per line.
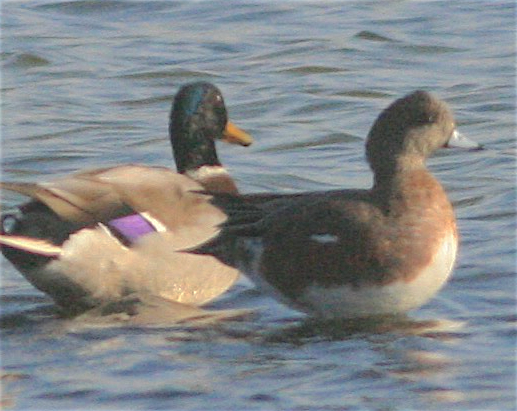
89,83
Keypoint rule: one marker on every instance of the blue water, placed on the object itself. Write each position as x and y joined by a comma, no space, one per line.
89,83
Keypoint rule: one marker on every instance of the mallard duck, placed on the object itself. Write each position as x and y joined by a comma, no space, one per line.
96,236
355,253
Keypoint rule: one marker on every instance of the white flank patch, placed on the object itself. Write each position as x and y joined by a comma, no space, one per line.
325,238
398,297
10,221
251,269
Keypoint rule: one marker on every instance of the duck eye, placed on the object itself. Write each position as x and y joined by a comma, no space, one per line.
426,119
219,104
219,100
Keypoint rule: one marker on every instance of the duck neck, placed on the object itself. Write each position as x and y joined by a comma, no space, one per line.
192,149
389,179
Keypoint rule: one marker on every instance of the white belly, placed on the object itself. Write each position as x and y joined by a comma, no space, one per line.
397,297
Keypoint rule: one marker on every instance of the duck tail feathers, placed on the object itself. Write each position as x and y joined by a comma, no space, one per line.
30,245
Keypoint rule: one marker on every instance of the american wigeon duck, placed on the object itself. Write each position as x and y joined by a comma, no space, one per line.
97,236
355,253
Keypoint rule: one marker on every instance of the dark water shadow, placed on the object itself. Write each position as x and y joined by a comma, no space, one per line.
132,311
25,320
312,330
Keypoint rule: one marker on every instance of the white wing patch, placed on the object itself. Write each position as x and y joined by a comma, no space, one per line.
157,224
325,238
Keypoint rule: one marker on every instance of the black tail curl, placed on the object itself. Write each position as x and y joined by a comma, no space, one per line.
244,220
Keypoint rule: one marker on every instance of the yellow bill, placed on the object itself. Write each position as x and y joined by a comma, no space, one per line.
234,135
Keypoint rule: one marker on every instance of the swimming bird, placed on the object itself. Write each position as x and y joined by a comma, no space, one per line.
96,236
356,253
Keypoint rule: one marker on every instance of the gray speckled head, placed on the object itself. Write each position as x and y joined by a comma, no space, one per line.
411,127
